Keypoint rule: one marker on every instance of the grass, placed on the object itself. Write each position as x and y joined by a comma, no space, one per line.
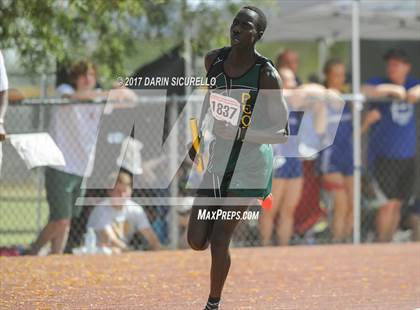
18,214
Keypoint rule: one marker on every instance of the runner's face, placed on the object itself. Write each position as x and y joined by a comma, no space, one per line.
243,31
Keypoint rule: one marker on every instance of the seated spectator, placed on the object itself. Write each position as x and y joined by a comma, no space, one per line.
116,221
392,139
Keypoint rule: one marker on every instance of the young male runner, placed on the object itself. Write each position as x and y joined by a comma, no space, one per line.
241,155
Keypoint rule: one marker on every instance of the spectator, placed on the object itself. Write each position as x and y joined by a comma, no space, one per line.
153,180
288,175
289,59
183,215
116,221
336,161
4,85
74,129
392,139
287,181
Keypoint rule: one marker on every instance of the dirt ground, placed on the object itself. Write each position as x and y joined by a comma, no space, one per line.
304,277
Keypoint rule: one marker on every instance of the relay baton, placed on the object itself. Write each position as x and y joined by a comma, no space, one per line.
196,143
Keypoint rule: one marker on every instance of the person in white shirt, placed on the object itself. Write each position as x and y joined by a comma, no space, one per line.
4,85
117,218
73,128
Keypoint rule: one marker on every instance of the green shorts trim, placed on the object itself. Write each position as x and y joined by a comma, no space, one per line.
62,191
212,185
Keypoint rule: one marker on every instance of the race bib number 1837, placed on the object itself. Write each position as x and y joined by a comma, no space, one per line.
225,108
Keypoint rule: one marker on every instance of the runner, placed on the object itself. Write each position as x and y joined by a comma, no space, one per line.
241,155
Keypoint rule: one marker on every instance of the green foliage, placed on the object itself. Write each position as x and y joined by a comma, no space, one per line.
108,31
47,31
210,25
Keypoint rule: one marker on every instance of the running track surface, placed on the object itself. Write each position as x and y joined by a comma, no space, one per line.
316,277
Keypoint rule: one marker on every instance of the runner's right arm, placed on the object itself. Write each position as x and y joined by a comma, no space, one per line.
208,61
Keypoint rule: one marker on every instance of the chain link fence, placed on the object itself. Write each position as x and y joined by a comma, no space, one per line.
164,121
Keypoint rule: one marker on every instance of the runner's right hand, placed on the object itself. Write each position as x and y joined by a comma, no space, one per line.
191,151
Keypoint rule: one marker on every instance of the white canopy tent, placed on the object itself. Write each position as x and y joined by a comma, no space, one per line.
329,20
308,20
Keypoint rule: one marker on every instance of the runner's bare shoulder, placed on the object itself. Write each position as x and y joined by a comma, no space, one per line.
210,57
270,78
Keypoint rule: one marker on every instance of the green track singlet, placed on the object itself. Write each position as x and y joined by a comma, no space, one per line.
246,167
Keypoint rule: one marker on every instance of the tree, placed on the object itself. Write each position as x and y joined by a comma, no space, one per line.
50,31
47,31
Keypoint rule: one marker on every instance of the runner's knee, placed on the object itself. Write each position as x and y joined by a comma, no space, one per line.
197,244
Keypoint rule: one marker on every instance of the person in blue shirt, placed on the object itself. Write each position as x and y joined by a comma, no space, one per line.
392,139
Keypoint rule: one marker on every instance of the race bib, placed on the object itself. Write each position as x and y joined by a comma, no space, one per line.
225,108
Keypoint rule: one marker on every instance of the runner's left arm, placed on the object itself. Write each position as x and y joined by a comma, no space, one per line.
271,98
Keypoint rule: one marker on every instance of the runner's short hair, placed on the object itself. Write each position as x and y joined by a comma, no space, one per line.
262,19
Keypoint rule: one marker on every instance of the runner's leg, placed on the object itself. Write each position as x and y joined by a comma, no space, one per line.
220,256
199,231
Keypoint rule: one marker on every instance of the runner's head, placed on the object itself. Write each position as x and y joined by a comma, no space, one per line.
247,27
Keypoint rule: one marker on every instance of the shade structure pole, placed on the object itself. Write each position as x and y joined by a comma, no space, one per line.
357,108
323,54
